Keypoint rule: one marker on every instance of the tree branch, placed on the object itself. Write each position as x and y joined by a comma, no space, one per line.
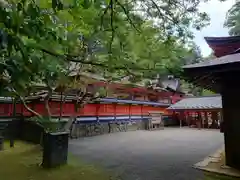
25,104
128,17
112,27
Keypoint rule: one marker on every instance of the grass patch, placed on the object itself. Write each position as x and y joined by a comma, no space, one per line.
23,163
211,176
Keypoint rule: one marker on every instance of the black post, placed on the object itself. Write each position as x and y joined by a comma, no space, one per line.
55,151
231,117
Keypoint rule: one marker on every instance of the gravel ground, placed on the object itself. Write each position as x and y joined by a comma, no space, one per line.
150,155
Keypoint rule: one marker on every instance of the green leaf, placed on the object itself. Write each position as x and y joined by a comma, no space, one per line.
87,4
57,4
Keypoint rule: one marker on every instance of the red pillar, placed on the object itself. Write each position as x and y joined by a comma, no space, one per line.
115,114
129,111
97,112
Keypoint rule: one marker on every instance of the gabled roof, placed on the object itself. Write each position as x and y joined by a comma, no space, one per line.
198,103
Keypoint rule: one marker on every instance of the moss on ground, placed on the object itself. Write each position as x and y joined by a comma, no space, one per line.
23,163
212,176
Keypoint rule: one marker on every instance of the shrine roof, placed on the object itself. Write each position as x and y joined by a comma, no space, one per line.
222,40
223,45
124,101
198,103
208,74
231,58
70,98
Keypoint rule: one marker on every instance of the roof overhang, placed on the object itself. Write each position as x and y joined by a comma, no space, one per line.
208,74
222,46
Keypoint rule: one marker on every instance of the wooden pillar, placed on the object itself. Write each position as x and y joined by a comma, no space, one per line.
206,119
181,116
97,111
188,118
129,112
221,122
115,111
14,110
180,119
203,119
231,117
199,119
214,119
142,122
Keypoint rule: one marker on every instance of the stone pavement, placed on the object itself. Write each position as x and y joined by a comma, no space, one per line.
215,163
167,154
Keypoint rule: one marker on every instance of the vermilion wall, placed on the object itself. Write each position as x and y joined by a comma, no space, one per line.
88,110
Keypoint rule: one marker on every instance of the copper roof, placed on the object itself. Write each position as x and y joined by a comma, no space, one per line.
198,103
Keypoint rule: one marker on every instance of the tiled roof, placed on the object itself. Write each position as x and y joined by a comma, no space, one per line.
124,101
232,58
205,102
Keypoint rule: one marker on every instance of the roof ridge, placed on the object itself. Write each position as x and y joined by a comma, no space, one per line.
212,95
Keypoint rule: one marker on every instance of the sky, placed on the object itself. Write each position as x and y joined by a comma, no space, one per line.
217,11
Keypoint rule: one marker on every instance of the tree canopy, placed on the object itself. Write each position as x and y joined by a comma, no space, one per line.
43,41
233,19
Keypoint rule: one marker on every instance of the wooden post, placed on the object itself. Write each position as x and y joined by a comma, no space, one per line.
129,111
207,119
214,118
97,111
199,120
142,122
231,116
204,119
180,118
115,111
221,122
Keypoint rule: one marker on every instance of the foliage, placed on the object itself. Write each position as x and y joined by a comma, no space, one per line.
233,19
40,41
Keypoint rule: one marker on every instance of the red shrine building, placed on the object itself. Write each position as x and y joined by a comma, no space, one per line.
124,103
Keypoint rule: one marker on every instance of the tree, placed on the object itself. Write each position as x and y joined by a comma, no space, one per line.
233,20
41,39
